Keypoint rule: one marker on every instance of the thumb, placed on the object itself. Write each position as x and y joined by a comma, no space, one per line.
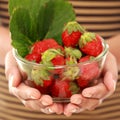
15,77
12,71
111,66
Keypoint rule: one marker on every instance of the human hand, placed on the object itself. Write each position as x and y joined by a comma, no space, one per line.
92,97
30,97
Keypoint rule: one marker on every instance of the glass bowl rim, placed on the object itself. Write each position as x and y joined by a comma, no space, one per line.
24,61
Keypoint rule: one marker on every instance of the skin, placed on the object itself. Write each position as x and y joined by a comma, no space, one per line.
34,100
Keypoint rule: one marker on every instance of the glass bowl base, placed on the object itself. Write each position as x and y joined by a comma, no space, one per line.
61,100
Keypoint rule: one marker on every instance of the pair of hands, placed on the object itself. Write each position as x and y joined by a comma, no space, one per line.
89,99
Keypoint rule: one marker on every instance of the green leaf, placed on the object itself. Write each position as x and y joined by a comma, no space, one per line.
35,8
33,20
63,13
20,27
32,5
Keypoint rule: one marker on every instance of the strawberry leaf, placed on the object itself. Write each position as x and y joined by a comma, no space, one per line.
36,20
60,18
20,30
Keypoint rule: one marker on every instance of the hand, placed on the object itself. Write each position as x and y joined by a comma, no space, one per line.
92,97
30,97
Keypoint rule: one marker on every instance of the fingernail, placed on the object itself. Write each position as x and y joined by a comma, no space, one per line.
114,83
12,81
86,94
32,97
50,110
74,110
44,103
77,101
46,110
11,77
77,110
35,95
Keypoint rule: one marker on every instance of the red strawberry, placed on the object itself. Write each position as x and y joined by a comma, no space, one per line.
33,57
42,46
58,60
42,77
47,83
86,58
50,43
64,88
39,47
59,47
42,89
91,44
72,33
89,72
51,54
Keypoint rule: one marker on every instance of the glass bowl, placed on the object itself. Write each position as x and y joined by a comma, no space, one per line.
69,80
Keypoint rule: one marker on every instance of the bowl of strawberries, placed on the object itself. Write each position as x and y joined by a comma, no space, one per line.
61,70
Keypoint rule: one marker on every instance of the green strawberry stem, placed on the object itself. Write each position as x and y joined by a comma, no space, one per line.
86,37
74,26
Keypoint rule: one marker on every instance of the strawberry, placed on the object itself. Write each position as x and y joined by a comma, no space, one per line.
50,43
59,48
89,72
42,89
91,44
42,77
41,46
58,60
53,58
71,34
86,58
33,57
64,88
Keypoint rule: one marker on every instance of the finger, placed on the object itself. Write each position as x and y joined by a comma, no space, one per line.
38,106
9,63
56,108
110,84
98,91
105,89
101,90
111,66
90,104
70,108
85,103
46,100
25,92
32,105
110,72
11,70
76,99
